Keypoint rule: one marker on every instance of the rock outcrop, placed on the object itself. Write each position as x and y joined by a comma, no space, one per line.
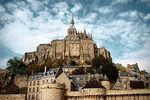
12,84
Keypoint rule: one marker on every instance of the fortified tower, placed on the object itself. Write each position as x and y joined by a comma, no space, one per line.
53,91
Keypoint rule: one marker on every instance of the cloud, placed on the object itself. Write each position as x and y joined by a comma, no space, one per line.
140,56
3,62
76,7
134,14
105,9
145,2
142,63
125,32
114,2
147,17
23,38
25,32
90,17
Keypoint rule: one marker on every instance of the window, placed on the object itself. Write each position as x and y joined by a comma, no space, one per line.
30,83
29,89
38,82
33,89
47,81
37,97
32,96
43,81
33,83
37,89
29,97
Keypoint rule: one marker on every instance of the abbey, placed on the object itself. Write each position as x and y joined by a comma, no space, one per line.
78,46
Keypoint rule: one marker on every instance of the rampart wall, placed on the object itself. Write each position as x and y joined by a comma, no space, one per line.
12,97
87,94
92,94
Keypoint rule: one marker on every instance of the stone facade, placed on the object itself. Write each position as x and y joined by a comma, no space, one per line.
133,69
12,97
78,46
36,82
55,92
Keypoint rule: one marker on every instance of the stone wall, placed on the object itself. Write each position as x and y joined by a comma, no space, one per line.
12,97
57,92
53,92
93,94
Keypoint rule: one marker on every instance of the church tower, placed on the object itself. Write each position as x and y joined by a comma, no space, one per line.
72,30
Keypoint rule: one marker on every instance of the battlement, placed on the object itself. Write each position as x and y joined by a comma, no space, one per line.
86,92
129,92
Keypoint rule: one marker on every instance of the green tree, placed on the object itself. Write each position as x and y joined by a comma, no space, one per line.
16,66
35,68
122,69
57,63
79,71
96,62
111,72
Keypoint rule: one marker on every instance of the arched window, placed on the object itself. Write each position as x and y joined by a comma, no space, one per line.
29,89
37,97
33,89
30,83
37,89
28,97
33,97
38,82
33,83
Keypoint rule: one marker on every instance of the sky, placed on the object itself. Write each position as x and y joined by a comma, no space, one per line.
121,26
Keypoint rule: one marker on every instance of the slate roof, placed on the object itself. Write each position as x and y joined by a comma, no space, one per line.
60,70
137,84
93,83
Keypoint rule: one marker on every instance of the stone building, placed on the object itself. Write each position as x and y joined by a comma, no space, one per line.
133,69
78,46
59,80
38,83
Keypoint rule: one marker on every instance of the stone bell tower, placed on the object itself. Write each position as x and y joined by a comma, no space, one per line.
72,32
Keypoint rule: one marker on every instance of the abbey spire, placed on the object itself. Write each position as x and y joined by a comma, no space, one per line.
72,21
72,30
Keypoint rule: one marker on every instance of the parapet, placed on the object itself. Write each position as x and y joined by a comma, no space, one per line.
94,91
87,92
54,86
129,92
